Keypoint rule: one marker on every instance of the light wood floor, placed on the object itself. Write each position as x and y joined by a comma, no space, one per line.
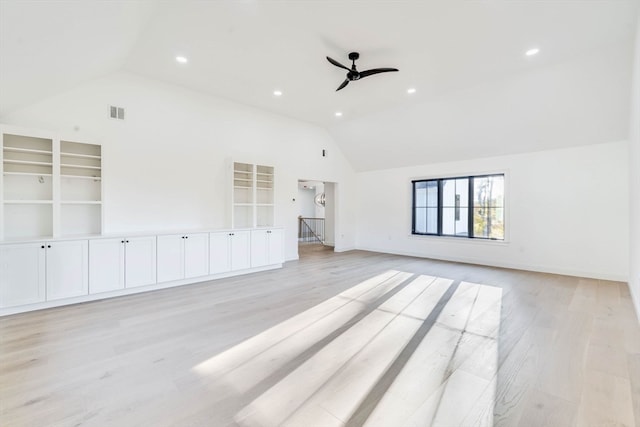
356,338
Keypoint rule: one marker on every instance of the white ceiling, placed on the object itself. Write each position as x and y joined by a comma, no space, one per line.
243,50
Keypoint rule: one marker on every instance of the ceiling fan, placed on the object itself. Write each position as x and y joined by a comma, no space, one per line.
353,74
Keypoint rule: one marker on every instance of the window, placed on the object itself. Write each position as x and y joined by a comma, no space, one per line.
471,206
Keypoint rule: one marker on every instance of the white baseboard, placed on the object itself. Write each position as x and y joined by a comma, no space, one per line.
516,266
130,291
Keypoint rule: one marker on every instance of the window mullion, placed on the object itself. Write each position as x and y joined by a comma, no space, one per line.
470,204
440,182
413,210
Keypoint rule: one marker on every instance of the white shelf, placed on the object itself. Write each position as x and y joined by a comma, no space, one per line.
81,202
26,150
95,178
81,156
26,162
28,202
264,204
243,204
65,165
26,174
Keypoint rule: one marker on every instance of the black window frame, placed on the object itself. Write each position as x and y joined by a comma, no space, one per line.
440,206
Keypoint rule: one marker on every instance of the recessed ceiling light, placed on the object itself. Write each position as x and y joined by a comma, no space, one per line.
532,52
411,90
277,93
181,59
338,113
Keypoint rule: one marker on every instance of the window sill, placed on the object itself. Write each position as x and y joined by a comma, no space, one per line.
463,240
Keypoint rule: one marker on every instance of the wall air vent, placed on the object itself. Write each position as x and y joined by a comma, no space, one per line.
116,112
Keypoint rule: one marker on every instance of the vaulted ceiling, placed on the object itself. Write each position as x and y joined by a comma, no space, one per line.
244,50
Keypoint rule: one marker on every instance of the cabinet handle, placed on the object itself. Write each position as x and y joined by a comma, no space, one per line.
126,241
122,241
42,246
186,237
48,246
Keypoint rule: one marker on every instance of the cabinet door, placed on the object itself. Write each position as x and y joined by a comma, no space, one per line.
219,252
22,274
140,261
259,248
106,265
240,250
67,269
170,258
276,246
196,255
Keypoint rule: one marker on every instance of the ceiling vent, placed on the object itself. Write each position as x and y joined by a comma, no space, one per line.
116,112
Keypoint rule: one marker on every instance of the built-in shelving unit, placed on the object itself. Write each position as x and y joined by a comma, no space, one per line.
27,185
80,188
252,195
50,186
265,200
243,195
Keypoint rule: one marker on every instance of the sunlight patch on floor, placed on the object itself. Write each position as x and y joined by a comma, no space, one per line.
396,349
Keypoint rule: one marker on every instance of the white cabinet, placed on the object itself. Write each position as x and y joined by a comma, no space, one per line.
106,265
67,269
170,258
267,247
22,274
121,263
229,251
196,255
43,271
182,256
140,261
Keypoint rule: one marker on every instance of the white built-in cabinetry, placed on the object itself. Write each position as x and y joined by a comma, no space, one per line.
229,251
267,247
52,272
106,265
123,262
182,256
35,272
22,274
50,186
252,196
140,261
51,191
67,268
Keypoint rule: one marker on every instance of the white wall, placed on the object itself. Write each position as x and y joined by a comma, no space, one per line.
331,192
165,165
634,167
319,212
306,205
567,212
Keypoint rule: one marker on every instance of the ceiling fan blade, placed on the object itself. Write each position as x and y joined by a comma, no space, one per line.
376,71
337,64
344,83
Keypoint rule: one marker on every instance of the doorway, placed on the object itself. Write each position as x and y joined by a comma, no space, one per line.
316,216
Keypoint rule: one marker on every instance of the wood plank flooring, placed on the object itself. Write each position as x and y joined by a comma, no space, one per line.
349,339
